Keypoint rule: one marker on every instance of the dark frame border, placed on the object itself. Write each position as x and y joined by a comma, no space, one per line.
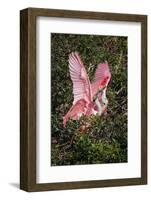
28,99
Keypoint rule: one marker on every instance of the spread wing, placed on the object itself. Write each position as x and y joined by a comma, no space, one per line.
79,77
101,78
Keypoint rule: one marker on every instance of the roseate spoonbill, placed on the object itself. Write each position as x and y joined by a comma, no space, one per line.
89,98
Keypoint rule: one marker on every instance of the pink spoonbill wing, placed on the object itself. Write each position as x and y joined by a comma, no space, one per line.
80,79
101,78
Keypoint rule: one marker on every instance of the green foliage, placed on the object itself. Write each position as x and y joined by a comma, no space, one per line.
94,139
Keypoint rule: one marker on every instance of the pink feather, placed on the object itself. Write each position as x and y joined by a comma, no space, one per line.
101,78
80,79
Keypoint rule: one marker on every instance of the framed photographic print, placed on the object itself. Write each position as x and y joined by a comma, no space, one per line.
83,99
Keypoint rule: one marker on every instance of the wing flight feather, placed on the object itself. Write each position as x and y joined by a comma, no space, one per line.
80,79
101,78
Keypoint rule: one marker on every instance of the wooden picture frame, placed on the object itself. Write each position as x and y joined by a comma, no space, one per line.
28,98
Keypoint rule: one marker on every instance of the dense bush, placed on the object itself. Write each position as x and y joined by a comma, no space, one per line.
105,139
